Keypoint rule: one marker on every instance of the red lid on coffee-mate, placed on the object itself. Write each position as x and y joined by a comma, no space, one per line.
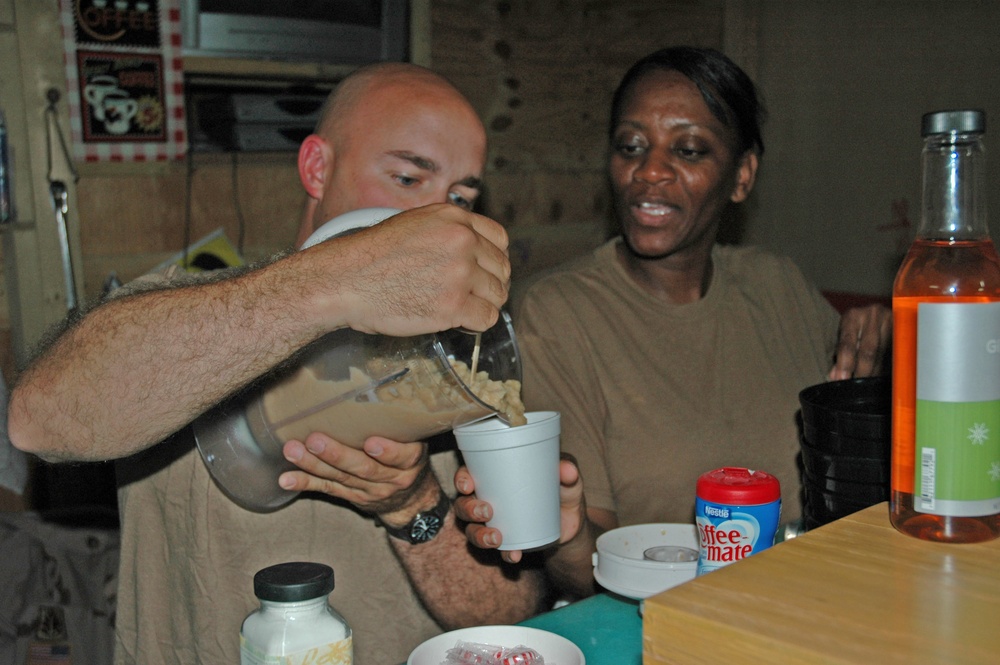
738,486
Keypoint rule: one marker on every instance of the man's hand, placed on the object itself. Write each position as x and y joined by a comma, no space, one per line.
476,512
424,270
865,341
381,478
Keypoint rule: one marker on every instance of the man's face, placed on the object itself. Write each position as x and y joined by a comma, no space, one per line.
405,151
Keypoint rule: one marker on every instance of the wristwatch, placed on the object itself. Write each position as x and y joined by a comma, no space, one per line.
424,526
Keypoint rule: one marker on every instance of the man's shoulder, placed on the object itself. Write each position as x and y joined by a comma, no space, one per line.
175,276
172,275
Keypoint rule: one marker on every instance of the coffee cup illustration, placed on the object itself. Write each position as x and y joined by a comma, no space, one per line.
110,105
119,109
96,90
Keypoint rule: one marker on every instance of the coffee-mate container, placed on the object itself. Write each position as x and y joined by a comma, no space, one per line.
737,512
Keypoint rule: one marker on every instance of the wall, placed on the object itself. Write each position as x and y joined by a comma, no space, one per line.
34,283
846,84
132,219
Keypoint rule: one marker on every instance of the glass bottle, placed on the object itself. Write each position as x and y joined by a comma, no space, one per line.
946,347
295,624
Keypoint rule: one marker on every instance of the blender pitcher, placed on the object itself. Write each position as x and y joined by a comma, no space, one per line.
352,385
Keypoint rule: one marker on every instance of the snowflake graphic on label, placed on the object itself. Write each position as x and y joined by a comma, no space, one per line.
979,434
994,471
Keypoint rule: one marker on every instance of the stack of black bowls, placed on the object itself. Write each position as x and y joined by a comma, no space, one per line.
845,446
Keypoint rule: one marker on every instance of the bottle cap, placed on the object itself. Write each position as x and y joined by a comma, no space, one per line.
292,582
969,121
738,486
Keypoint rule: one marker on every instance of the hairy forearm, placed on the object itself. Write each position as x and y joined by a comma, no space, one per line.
570,567
462,586
137,368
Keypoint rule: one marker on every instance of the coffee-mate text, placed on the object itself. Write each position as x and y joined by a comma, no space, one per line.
724,545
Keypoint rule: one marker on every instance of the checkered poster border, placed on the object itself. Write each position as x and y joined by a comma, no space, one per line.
160,66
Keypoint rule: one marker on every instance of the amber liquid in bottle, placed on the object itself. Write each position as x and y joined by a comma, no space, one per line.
933,271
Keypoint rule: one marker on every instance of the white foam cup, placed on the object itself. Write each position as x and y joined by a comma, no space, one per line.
516,469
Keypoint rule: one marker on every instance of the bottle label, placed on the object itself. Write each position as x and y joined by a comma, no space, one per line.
728,533
340,652
957,469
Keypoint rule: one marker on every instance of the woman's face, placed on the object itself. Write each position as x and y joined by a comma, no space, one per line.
673,168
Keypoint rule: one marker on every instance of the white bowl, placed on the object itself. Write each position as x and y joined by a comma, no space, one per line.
619,565
349,221
553,648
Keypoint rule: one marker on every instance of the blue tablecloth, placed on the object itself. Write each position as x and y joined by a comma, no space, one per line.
607,628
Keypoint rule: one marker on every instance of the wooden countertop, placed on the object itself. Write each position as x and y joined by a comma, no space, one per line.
853,591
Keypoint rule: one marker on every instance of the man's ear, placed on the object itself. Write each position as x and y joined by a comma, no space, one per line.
746,175
315,165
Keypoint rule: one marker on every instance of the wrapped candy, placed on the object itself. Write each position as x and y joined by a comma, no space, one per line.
472,653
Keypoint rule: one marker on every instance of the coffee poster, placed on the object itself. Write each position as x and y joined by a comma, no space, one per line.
124,79
123,97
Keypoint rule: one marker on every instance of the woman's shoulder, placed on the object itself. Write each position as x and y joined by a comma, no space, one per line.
761,276
753,263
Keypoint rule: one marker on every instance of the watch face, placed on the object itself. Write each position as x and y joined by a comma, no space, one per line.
425,527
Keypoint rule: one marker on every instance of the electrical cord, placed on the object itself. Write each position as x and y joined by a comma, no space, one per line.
188,182
237,206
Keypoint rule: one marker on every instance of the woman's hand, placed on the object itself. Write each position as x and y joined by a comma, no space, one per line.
476,512
865,341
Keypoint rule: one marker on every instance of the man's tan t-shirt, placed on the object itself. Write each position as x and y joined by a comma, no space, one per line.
189,554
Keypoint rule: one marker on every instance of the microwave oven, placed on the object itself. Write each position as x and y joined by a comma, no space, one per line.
340,32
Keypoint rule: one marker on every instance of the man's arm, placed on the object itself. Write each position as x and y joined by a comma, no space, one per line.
461,586
140,367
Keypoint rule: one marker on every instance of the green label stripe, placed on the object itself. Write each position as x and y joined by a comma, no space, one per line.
965,437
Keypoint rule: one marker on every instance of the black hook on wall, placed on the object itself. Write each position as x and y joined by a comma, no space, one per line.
52,120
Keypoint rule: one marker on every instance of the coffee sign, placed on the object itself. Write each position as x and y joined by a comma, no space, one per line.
118,22
123,96
124,76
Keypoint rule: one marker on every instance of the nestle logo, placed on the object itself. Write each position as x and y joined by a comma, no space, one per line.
715,511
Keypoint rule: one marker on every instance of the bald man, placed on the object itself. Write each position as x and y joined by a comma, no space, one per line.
125,381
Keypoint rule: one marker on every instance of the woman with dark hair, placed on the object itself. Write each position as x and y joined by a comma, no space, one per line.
667,353
726,89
